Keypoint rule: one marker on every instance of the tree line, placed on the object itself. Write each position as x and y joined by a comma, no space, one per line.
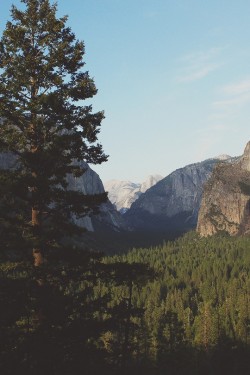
182,308
196,310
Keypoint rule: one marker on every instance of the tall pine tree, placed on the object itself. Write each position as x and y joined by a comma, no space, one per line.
46,323
45,125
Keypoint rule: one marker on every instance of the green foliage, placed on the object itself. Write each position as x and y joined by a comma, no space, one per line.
64,336
44,125
84,326
50,319
182,308
198,306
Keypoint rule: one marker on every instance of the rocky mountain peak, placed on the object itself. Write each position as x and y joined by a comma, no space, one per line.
223,157
89,183
245,160
150,181
225,205
172,204
123,193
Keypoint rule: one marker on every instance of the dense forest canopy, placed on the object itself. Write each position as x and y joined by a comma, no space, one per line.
182,308
197,309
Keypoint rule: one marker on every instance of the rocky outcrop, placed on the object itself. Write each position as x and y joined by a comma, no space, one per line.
149,182
89,183
173,203
123,193
225,204
245,159
108,217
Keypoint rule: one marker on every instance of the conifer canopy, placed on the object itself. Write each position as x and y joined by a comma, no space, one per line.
45,123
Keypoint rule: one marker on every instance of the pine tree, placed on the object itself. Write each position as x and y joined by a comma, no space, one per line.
45,125
47,131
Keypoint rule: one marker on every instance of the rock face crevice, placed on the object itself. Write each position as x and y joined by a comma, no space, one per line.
225,205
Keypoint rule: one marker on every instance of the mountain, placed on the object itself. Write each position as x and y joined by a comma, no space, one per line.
108,217
123,193
89,183
225,204
172,204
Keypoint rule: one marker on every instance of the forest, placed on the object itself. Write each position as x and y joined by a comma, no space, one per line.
181,308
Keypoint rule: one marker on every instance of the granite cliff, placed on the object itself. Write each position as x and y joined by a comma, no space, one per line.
89,183
108,217
172,204
123,193
225,205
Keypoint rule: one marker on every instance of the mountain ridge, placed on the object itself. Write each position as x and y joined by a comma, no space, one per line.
89,182
122,193
173,203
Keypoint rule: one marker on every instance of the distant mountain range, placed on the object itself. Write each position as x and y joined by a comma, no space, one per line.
173,203
123,193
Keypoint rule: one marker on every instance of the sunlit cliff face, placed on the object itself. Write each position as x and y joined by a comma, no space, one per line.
225,203
245,161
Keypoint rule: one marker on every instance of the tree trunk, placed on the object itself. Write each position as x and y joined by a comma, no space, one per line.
37,253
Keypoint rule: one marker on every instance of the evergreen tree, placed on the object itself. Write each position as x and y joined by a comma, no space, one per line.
45,125
47,131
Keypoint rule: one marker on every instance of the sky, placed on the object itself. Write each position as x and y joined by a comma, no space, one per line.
173,78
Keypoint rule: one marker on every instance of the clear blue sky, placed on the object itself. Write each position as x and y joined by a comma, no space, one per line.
173,78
